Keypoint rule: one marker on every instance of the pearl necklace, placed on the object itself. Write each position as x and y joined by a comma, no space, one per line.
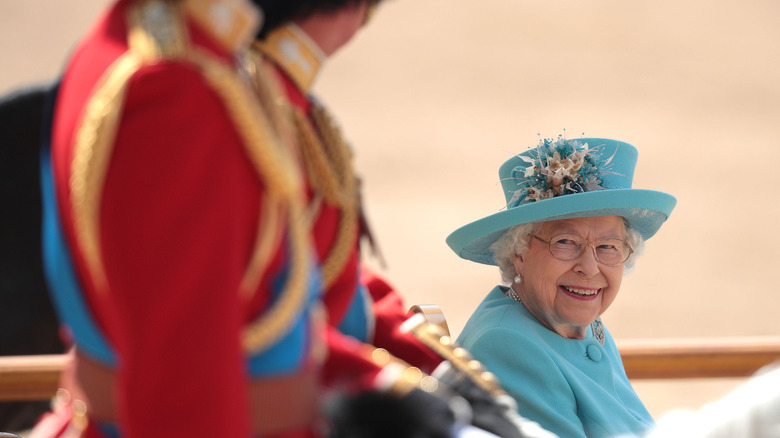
513,295
596,326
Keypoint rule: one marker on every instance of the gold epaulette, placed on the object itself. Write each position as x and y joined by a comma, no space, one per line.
157,31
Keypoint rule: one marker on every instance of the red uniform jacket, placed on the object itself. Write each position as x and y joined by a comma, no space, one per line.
163,235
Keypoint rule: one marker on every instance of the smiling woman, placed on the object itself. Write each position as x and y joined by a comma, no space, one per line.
571,228
567,295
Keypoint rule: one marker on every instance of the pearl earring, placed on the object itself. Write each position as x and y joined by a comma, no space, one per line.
518,279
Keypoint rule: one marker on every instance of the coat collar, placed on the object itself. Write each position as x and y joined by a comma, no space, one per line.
295,53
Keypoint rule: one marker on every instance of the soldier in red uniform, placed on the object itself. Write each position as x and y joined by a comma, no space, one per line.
176,245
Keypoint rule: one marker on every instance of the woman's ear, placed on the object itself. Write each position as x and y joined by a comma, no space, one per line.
518,261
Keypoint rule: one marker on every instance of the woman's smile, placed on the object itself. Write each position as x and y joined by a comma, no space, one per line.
585,294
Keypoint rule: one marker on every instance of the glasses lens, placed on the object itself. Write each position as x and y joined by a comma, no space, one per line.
566,246
612,252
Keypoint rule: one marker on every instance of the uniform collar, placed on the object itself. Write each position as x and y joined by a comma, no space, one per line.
232,24
295,53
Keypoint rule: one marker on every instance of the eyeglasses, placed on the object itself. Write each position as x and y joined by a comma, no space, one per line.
609,252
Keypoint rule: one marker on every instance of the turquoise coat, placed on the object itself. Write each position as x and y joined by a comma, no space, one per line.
572,387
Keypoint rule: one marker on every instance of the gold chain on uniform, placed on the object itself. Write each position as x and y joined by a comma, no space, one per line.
326,157
328,162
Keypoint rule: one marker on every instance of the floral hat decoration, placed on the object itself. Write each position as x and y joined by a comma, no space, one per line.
561,179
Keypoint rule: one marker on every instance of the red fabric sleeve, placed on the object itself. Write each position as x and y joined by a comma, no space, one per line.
390,313
179,214
349,364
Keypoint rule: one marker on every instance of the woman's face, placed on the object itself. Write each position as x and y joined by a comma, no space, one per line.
567,296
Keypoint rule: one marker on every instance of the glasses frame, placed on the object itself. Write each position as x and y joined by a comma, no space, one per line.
587,244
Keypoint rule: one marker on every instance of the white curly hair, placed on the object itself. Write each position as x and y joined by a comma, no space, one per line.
517,239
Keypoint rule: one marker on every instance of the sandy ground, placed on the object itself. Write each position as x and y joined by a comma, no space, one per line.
436,94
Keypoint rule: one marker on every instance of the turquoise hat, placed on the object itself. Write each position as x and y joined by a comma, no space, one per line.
561,179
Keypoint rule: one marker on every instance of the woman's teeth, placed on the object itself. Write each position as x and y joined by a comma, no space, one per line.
583,292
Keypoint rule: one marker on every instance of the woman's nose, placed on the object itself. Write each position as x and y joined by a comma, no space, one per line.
587,264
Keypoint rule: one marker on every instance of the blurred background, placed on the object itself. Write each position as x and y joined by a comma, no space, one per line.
436,94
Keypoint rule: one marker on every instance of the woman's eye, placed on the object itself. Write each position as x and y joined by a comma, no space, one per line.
608,247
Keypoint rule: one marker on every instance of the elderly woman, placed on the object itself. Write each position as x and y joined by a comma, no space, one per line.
572,227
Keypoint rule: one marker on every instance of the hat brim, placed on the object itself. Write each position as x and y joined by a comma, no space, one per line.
645,211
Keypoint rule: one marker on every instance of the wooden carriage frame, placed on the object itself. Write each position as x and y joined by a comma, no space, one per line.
37,377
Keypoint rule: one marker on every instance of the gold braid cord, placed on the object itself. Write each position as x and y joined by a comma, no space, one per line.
157,32
276,167
328,162
93,146
326,156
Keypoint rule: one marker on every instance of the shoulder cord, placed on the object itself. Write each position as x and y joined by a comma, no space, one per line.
326,157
